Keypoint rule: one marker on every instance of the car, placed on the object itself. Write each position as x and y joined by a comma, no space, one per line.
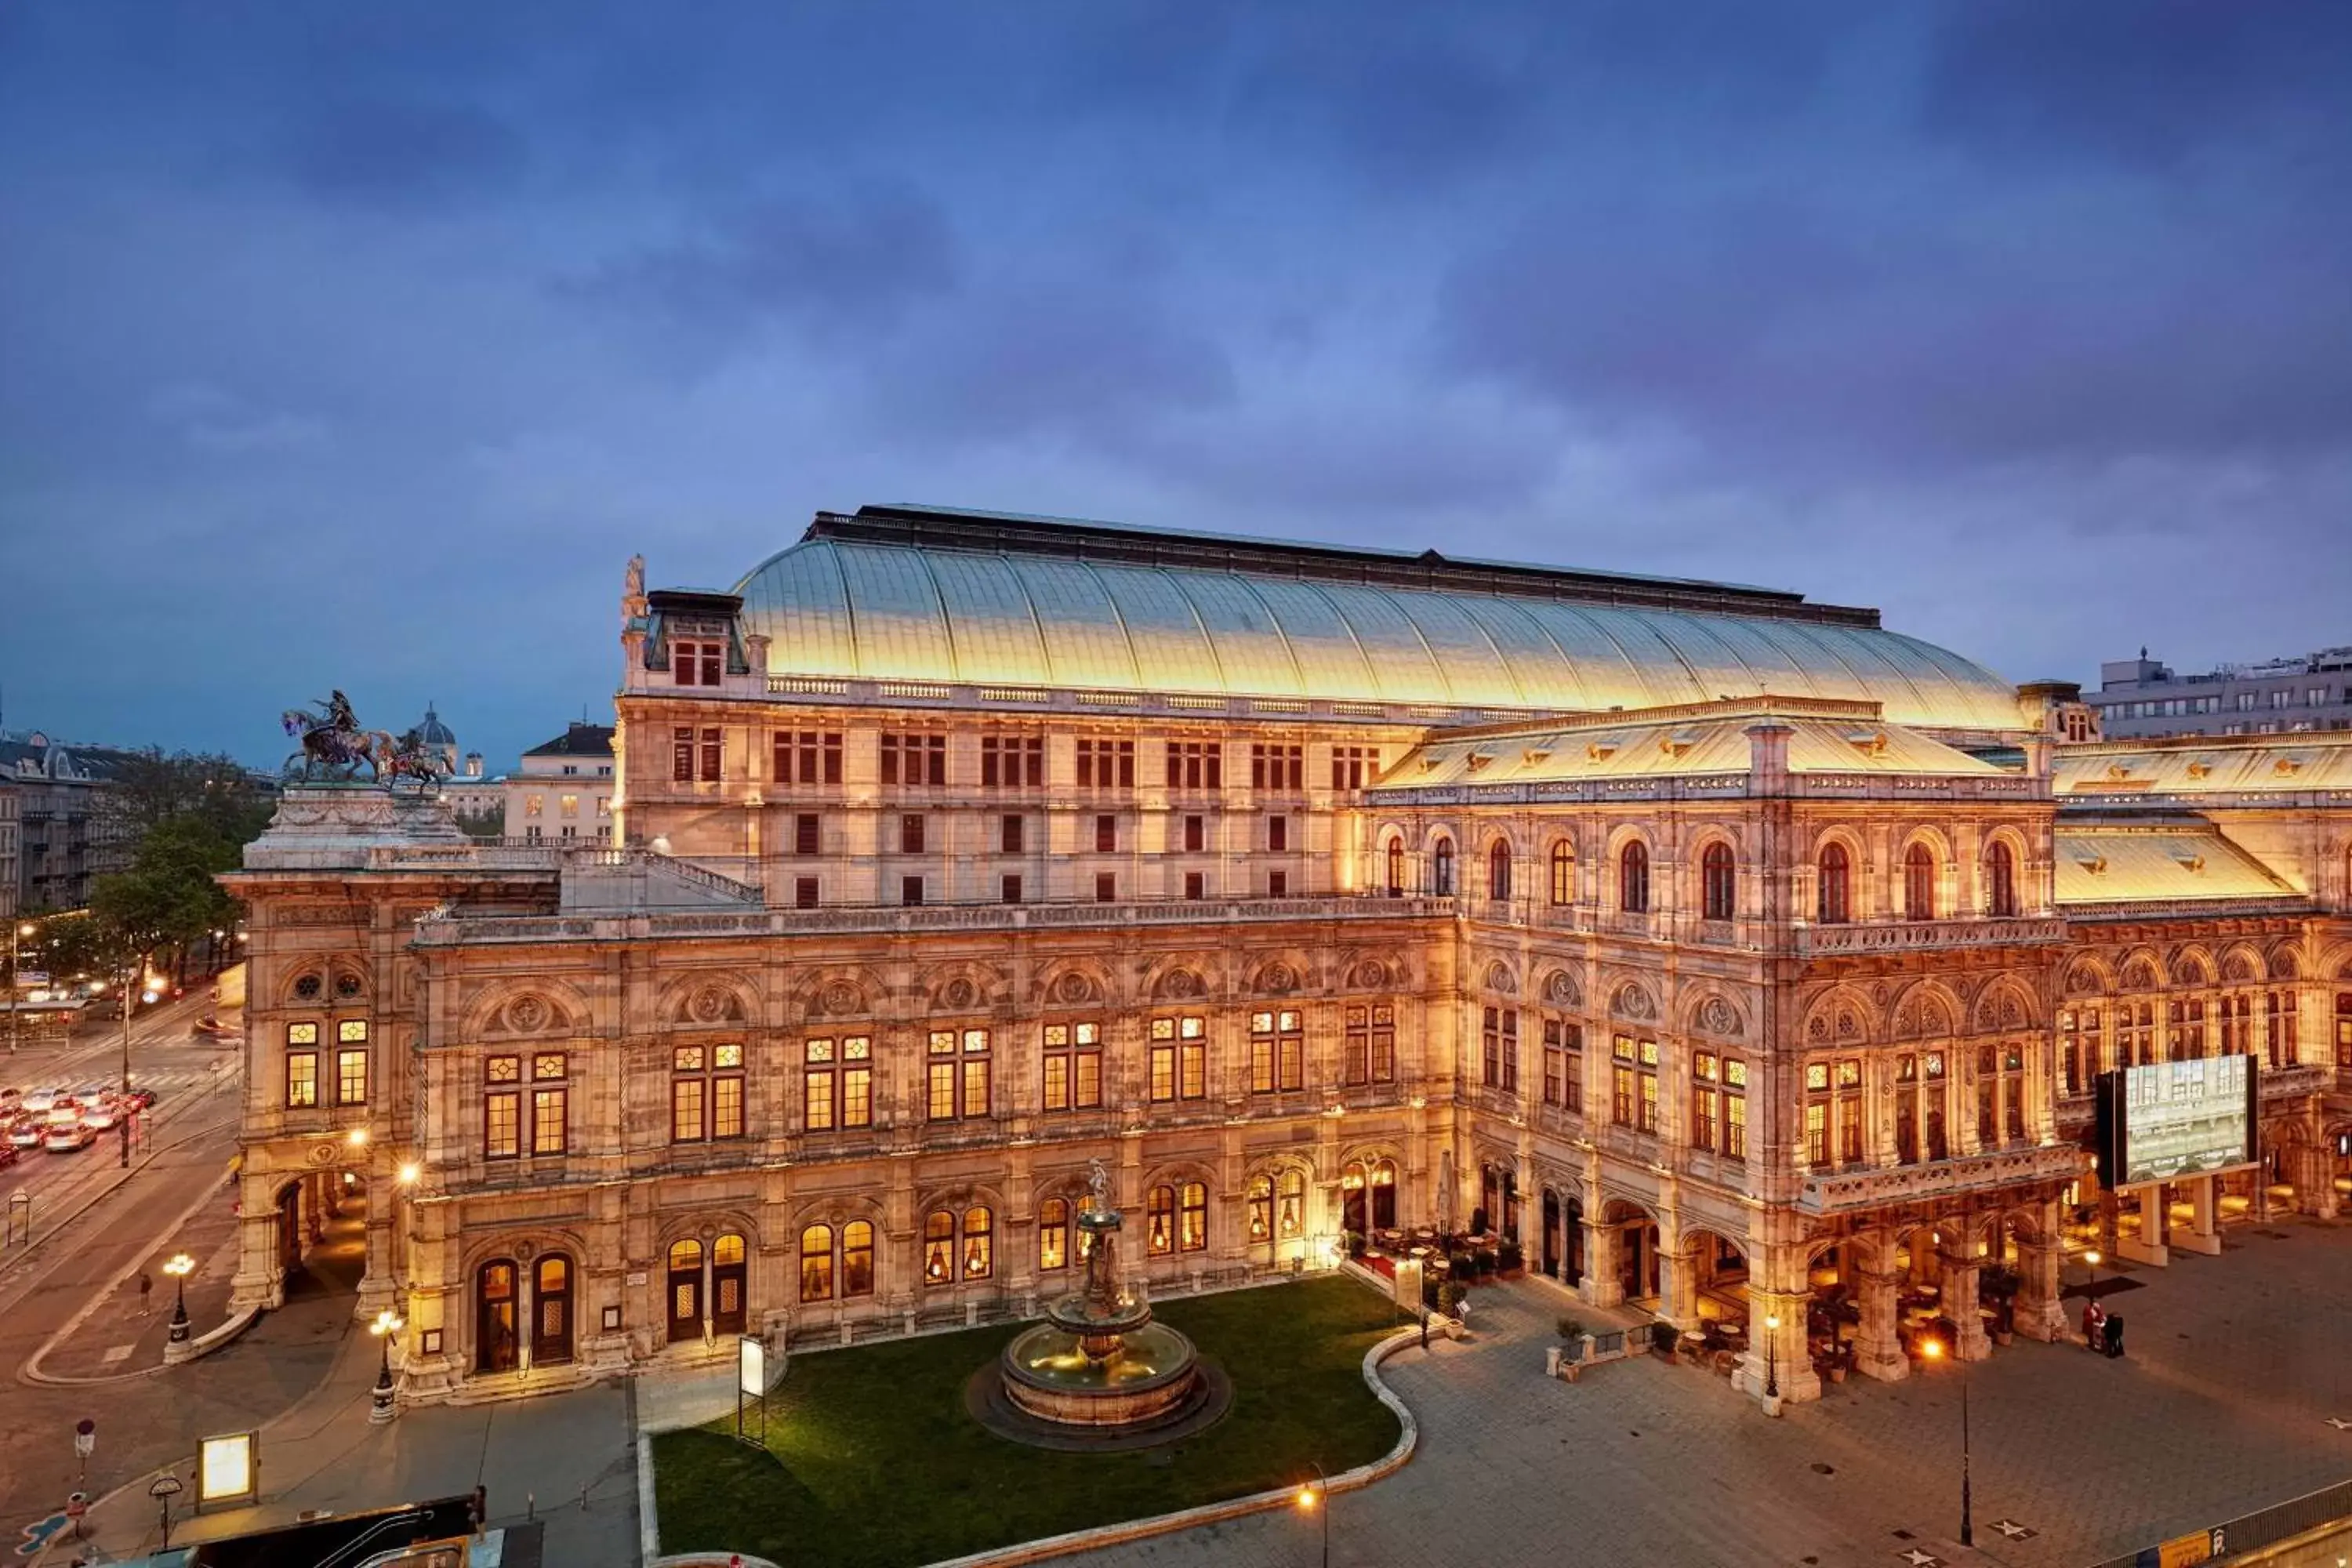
42,1101
8,1155
27,1132
93,1093
99,1116
64,1138
10,1099
142,1097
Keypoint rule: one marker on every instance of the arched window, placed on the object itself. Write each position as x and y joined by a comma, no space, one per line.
1834,886
1291,1212
2001,880
938,1248
550,1300
857,1258
1443,886
685,1289
1192,1217
1633,879
979,1243
1918,883
495,1341
1563,873
1159,1221
1384,1195
1498,871
1053,1234
1261,1208
1396,868
1719,883
816,1263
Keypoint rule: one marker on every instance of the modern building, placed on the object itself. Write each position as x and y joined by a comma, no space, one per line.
563,789
65,837
1730,952
2141,697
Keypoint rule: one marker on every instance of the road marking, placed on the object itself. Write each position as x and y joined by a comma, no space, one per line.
119,1354
2014,1530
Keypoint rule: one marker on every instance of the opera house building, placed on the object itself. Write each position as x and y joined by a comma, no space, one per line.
1728,951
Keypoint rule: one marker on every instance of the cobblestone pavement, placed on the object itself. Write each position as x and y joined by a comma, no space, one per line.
2220,1407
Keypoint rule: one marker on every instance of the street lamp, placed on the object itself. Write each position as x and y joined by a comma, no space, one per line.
179,1266
165,1489
1934,1349
409,1172
1318,1496
2092,1257
387,1323
16,931
1772,1356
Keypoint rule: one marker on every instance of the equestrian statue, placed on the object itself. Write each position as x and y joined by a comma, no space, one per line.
333,747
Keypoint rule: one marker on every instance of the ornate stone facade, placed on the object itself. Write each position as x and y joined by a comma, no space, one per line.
1697,999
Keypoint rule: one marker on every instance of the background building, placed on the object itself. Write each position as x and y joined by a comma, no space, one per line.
65,837
563,788
2142,696
1726,953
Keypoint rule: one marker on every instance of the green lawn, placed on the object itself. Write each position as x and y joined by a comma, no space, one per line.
873,1463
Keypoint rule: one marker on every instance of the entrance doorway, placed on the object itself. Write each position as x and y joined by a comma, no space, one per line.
726,1286
1551,1233
496,1345
550,1337
685,1290
290,1231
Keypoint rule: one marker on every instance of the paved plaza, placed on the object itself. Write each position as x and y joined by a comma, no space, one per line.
2235,1364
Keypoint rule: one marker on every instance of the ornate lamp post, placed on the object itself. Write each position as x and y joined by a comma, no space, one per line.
17,930
385,1406
2092,1257
1771,1356
1318,1496
1934,1349
179,1266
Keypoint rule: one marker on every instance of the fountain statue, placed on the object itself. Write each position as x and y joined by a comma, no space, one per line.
1098,1362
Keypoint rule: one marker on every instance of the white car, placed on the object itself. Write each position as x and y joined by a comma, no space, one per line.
41,1101
93,1094
27,1133
65,1137
100,1115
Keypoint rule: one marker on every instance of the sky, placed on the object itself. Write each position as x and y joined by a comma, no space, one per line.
360,346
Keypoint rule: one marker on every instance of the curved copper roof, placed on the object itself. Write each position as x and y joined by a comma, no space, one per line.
880,609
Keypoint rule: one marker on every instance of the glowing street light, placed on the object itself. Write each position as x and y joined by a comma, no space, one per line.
179,1266
1771,1356
1312,1498
383,1406
1933,1350
409,1170
359,1136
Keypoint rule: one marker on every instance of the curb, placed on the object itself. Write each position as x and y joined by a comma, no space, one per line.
13,1261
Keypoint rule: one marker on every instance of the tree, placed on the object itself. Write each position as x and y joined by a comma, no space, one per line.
168,895
147,789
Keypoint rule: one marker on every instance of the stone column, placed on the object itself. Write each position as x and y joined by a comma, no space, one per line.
260,1283
2148,1246
2309,1171
379,1287
1679,1283
1958,1300
1777,1358
2040,1314
1877,1348
2203,1234
1602,1285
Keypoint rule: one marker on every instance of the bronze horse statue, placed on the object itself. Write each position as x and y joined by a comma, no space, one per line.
333,746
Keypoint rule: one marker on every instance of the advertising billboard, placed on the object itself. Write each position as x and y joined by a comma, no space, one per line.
2163,1121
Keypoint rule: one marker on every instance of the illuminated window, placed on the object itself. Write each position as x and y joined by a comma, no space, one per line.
1159,1221
1179,1058
302,1076
1192,1217
706,1092
1291,1209
957,1076
816,1263
1053,1234
1261,1208
350,1077
1369,1043
979,1256
1278,1052
1073,1057
1563,873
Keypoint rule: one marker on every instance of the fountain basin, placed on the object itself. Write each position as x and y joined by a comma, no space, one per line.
1054,1374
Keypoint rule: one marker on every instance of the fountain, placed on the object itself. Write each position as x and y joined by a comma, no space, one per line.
1098,1364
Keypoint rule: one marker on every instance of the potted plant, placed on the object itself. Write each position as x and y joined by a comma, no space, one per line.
1664,1337
1355,1242
1449,1303
1569,1328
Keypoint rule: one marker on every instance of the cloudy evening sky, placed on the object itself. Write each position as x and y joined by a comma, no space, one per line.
360,344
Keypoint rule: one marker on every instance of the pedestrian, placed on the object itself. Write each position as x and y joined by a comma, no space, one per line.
1425,1328
146,1288
2115,1333
2094,1325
